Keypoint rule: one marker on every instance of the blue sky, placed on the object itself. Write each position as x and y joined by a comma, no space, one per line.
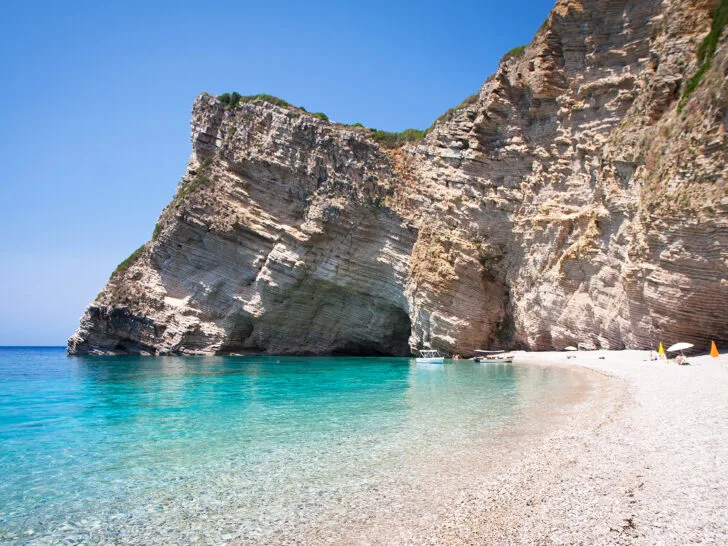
96,101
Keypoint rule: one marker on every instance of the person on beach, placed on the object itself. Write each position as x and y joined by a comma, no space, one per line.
680,360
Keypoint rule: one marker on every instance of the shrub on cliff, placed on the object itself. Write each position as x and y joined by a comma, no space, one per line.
230,99
201,179
233,99
267,98
515,52
450,112
393,140
126,264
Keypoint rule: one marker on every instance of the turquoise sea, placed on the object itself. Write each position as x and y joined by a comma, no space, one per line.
249,449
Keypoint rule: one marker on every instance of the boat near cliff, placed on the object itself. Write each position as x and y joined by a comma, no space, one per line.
492,357
430,357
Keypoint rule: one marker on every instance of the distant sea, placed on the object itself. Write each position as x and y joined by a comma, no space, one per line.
215,449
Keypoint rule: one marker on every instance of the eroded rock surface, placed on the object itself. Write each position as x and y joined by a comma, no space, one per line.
573,202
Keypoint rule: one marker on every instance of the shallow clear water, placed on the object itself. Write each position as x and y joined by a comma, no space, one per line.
222,448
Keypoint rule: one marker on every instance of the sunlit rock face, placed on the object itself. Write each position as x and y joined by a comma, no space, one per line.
277,241
571,202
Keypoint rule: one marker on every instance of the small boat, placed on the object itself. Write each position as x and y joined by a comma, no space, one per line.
430,356
492,357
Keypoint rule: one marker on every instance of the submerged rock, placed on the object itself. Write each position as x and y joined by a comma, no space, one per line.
580,198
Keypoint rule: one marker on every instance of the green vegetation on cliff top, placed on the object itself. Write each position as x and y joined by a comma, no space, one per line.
126,264
450,112
385,138
514,52
394,140
233,99
706,50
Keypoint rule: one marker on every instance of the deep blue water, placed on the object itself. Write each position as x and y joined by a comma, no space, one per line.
99,446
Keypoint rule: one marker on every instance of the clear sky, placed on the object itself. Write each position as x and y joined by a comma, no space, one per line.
96,97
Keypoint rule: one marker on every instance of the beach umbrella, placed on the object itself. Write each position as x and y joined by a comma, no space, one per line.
570,348
679,347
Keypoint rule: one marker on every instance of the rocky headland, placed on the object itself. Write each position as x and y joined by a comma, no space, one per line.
579,197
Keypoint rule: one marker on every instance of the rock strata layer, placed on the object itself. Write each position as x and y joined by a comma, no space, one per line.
581,198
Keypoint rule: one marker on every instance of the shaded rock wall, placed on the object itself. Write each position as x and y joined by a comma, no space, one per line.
572,202
576,181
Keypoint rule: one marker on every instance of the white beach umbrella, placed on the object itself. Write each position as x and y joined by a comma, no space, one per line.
679,347
570,348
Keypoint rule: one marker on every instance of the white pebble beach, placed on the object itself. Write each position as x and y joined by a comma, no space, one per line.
645,463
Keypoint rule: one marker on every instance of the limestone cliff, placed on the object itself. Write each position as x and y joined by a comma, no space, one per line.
580,198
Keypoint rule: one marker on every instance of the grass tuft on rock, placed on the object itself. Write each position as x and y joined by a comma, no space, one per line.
706,50
126,264
394,140
515,52
200,179
450,112
710,42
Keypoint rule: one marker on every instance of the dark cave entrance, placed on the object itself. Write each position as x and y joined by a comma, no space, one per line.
396,324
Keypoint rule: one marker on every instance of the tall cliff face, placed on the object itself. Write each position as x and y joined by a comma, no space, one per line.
276,241
577,200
